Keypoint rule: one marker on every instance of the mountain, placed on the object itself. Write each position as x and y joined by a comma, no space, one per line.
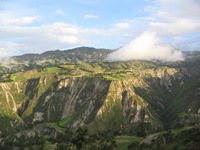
43,96
51,58
82,54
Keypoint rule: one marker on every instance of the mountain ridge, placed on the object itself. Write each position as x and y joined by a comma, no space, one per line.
134,98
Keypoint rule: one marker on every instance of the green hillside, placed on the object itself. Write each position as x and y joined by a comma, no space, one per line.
76,95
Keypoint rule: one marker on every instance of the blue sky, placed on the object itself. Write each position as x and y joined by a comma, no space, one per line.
35,26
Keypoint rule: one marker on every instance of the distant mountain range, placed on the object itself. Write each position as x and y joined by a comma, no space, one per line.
85,54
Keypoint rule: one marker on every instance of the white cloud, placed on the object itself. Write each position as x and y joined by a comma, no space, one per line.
147,46
8,49
174,20
122,29
56,35
37,38
9,18
91,16
123,25
167,18
59,12
176,17
176,28
21,21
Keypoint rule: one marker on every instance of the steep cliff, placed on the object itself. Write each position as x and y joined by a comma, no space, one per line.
42,99
12,97
127,104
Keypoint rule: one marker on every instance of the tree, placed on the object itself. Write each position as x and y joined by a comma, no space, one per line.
79,137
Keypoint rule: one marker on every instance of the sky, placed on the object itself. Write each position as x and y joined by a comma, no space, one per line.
35,26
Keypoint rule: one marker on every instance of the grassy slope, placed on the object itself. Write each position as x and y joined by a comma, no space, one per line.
123,142
109,71
184,99
178,100
182,138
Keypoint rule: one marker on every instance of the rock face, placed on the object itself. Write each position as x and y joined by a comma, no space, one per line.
89,100
43,94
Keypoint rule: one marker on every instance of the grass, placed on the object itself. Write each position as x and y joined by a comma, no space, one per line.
149,139
49,146
67,120
35,73
181,129
183,96
118,69
55,126
78,76
123,141
113,76
181,138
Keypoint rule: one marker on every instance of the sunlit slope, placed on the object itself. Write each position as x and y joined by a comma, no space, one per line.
133,97
121,95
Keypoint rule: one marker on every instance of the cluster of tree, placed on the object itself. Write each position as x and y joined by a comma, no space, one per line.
79,140
185,139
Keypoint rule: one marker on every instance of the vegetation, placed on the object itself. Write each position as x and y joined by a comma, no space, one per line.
75,100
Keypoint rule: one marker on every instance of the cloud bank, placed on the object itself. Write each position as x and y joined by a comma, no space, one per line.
147,46
27,30
170,20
